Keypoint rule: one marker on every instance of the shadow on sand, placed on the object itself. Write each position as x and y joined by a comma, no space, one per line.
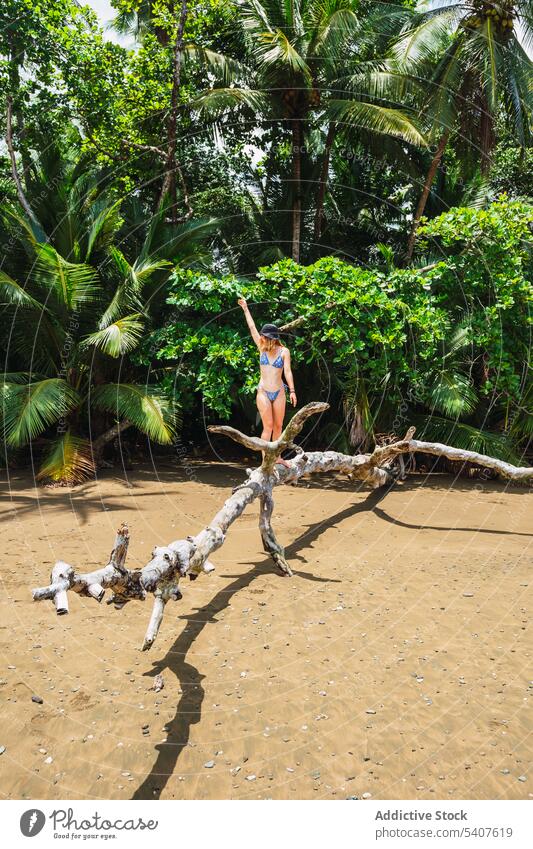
189,708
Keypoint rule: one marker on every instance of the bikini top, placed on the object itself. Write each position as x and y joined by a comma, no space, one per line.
264,361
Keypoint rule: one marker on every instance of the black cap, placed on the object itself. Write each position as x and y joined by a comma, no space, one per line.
270,331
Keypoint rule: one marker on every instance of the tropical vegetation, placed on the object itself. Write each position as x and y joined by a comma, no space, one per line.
364,167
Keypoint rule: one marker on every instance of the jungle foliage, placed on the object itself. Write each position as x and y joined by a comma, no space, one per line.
360,163
448,342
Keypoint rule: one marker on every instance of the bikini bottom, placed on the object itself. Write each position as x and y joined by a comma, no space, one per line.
272,395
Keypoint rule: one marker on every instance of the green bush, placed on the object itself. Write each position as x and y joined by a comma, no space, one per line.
451,339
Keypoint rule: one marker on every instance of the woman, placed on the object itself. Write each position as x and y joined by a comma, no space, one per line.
274,361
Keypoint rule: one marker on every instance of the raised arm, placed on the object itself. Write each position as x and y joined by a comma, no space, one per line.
287,370
249,321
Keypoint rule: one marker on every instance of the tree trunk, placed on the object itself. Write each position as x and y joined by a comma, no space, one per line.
171,165
296,187
425,191
100,443
321,194
15,63
189,556
14,171
486,136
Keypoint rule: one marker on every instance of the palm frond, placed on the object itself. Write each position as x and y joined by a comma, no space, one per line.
212,104
128,292
224,67
452,394
14,295
174,242
118,338
143,269
522,422
274,52
143,406
104,226
334,27
467,437
423,41
29,232
71,283
68,460
374,118
28,409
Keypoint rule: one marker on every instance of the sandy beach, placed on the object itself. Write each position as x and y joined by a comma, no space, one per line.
396,662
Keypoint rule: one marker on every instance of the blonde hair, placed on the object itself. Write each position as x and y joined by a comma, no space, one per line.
268,345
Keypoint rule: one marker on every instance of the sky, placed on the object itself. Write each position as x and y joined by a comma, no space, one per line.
102,8
105,12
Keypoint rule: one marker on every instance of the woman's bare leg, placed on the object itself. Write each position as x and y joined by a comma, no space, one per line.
264,407
278,410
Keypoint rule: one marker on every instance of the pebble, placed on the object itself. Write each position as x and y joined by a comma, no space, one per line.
370,711
522,777
505,771
366,796
49,760
251,777
2,750
468,595
209,764
37,700
235,770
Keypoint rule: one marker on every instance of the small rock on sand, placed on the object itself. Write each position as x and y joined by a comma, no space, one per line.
209,764
2,750
366,796
37,700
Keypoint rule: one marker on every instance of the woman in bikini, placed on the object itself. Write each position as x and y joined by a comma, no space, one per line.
274,361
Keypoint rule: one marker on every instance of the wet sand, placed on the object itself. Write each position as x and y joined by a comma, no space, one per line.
396,662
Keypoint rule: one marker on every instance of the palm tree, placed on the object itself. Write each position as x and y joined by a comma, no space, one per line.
65,372
79,312
477,49
297,53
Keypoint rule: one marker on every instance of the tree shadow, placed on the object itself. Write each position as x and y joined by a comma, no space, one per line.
189,707
382,514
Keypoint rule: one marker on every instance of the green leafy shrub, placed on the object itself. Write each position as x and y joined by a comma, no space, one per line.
450,340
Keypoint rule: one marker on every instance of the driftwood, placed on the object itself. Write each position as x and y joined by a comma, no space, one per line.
190,556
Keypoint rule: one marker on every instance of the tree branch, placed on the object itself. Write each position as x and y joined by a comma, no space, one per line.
190,556
14,171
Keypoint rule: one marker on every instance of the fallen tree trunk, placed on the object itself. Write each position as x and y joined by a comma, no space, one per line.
190,556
